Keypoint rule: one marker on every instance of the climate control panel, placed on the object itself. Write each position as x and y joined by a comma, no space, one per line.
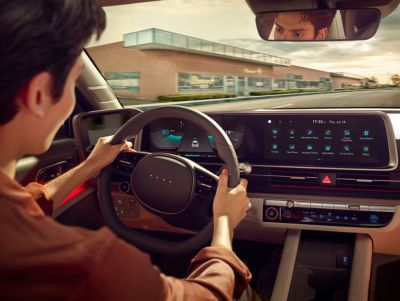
323,213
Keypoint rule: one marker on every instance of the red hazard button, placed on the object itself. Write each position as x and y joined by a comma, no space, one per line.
328,179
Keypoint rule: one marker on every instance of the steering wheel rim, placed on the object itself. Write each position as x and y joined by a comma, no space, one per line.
131,128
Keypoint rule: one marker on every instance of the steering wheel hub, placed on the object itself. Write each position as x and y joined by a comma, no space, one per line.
163,183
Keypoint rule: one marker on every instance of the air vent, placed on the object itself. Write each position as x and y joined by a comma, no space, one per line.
362,181
368,181
291,177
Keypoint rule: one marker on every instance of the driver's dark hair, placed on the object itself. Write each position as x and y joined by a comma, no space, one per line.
42,35
319,19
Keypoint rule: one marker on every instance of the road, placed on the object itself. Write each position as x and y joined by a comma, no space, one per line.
357,99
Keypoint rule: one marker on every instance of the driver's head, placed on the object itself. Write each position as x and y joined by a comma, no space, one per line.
303,25
41,42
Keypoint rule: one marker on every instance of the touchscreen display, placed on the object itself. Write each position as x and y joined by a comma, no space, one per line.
104,125
330,140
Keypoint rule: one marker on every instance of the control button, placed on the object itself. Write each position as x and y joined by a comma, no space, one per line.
346,132
375,208
329,217
304,204
316,205
354,207
374,218
365,149
124,187
275,132
309,147
328,132
327,206
292,132
274,146
271,213
292,147
354,218
309,132
343,260
289,204
388,208
278,203
328,179
340,206
365,133
328,148
346,148
121,203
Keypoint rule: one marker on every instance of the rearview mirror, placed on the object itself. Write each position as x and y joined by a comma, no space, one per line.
318,25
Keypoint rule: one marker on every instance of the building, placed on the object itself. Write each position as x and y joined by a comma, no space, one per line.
347,80
154,62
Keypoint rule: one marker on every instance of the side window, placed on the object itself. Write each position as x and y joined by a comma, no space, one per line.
65,130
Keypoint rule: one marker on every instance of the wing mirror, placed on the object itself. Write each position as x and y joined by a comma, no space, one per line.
318,25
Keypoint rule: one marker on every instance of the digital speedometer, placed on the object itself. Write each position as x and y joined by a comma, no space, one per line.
187,138
166,138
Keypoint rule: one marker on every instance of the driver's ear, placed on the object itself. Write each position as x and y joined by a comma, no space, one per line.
36,96
322,34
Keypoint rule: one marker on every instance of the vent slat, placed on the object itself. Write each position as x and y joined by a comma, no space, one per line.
349,180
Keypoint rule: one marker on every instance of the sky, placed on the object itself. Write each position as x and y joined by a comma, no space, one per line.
232,22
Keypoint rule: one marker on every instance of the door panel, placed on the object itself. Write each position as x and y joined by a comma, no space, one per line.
61,157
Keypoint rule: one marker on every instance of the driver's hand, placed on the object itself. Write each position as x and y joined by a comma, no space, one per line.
231,202
104,154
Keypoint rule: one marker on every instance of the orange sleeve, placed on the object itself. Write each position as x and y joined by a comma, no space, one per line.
216,273
125,273
40,194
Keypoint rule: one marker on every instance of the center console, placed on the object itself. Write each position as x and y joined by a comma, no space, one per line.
324,266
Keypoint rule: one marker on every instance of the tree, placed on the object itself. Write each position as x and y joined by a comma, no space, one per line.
395,79
373,80
370,82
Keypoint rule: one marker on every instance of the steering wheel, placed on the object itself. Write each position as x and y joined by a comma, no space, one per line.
172,187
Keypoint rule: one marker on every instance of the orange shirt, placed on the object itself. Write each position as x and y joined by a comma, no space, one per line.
41,259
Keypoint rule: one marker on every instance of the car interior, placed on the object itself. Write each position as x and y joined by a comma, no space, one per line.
324,225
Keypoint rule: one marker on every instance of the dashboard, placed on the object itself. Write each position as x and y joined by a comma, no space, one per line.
296,140
319,168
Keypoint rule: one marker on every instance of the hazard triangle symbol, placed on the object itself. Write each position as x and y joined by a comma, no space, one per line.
326,180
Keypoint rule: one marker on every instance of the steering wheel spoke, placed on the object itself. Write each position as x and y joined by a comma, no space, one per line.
126,162
177,190
205,182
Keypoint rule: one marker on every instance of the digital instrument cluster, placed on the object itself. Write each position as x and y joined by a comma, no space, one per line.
188,139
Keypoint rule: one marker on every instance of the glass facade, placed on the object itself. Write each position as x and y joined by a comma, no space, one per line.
259,83
156,36
123,81
296,81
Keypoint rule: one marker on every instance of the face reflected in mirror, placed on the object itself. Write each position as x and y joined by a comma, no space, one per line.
303,25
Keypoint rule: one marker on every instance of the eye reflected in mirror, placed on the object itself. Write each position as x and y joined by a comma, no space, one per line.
318,25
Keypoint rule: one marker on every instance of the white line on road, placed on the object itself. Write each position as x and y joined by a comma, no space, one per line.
282,106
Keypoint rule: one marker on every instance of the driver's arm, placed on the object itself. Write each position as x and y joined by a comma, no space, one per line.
229,208
102,155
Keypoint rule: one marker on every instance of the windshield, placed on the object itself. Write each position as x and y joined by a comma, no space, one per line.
208,54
